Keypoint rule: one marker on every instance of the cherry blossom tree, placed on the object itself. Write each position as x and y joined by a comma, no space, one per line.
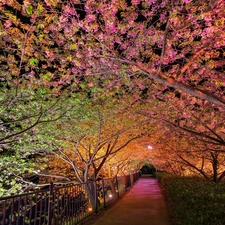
130,159
179,44
167,56
191,141
95,133
28,123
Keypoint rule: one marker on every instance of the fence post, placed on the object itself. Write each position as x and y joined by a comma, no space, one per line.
129,181
117,187
96,196
50,204
103,192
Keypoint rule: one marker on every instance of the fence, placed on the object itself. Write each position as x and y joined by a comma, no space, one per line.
63,205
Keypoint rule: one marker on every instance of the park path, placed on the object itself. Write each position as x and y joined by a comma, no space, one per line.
144,204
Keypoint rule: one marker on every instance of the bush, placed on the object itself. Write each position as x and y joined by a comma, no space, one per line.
195,201
160,176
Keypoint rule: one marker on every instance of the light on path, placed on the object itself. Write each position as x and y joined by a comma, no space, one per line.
149,147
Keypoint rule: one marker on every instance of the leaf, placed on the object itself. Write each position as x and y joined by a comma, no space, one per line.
40,8
29,10
73,46
41,26
33,61
51,2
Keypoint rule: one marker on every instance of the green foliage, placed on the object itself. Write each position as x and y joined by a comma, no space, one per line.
195,201
33,61
28,125
160,176
29,10
12,169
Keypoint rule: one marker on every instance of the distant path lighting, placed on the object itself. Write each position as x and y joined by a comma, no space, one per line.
150,147
110,194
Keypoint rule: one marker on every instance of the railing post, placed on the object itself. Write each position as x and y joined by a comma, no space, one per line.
103,192
96,196
50,204
129,180
117,187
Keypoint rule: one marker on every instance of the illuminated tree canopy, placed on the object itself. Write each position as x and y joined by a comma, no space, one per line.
164,59
175,43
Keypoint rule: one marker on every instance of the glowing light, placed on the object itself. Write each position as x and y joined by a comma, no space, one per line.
150,147
110,195
90,209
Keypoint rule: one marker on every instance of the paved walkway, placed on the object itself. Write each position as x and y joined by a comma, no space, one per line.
142,205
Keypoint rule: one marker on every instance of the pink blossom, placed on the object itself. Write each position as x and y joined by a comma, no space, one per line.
111,26
90,18
60,81
117,40
63,19
8,23
90,84
187,1
32,73
135,2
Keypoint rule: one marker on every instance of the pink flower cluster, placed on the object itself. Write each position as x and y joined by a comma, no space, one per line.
135,2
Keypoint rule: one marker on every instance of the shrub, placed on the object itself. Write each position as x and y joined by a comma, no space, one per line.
195,201
160,176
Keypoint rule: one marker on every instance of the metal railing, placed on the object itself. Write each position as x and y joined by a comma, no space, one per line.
63,205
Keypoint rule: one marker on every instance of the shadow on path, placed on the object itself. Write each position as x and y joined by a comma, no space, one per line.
143,205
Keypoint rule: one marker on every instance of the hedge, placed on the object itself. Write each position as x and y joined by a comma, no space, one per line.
194,201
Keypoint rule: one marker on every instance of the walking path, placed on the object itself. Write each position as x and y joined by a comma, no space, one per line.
142,205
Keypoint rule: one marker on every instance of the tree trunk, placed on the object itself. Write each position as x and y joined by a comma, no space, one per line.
215,167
